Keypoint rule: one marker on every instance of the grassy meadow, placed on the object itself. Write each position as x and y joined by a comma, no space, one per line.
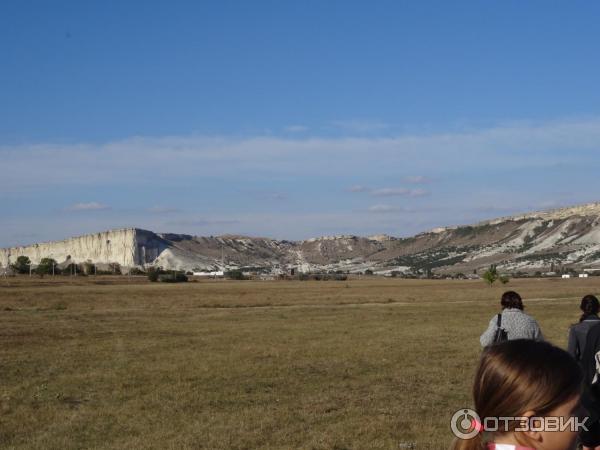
360,364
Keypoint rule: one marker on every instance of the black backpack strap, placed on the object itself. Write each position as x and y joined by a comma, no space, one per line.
499,321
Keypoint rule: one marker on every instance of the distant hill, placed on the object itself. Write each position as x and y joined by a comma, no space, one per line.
539,241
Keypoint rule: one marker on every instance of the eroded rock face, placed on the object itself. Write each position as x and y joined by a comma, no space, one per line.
128,247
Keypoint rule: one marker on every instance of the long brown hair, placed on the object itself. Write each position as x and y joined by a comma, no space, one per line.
518,376
589,306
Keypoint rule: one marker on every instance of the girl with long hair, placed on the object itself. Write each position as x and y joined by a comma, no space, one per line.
521,384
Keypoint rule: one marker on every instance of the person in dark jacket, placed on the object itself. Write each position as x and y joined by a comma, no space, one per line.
589,348
578,332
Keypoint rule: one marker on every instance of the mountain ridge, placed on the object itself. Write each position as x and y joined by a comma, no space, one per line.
527,242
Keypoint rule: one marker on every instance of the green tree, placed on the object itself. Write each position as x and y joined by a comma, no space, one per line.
235,275
504,279
22,264
491,275
45,267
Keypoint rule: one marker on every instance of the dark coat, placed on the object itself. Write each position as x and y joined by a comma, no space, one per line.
578,335
589,362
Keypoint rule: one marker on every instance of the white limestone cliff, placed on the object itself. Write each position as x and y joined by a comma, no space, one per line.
128,247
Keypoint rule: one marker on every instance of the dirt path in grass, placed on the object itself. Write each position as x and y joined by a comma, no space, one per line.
373,304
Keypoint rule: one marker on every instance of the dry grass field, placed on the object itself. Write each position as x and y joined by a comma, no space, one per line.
360,364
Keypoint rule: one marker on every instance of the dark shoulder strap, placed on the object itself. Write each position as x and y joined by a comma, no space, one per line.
499,320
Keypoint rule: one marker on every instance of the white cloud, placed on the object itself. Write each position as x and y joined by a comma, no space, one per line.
280,196
311,165
162,209
418,192
360,125
358,188
388,192
90,206
139,159
202,222
418,179
265,194
402,192
384,208
296,129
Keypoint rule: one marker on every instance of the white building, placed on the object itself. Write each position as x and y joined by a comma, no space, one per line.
566,276
218,273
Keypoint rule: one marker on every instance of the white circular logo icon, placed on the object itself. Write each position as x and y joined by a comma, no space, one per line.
465,423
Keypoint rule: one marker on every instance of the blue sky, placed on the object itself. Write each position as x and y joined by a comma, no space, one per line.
293,119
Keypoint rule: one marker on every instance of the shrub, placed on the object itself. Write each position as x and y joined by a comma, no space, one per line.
153,274
322,277
235,275
103,272
174,277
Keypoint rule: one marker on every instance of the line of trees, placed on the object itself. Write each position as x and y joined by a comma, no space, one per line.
46,266
49,266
